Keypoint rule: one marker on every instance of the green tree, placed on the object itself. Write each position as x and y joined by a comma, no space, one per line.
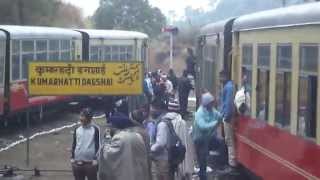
40,12
129,15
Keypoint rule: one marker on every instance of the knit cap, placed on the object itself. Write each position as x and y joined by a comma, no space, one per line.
206,99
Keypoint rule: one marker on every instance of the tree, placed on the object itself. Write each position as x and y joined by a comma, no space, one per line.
42,13
129,15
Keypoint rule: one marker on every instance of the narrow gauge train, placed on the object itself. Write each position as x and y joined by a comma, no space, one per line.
279,53
20,44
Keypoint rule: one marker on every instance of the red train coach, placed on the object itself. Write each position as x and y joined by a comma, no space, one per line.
20,44
279,51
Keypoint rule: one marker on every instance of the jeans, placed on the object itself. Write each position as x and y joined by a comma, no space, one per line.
202,151
80,172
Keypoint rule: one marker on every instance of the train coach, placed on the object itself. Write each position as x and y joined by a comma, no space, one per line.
21,44
115,45
279,53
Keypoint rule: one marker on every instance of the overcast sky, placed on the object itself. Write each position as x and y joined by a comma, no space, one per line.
89,6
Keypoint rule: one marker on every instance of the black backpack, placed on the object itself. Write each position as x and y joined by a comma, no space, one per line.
176,149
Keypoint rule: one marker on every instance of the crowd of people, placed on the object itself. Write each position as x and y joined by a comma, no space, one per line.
154,141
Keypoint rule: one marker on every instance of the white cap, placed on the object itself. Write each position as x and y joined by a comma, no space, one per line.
206,99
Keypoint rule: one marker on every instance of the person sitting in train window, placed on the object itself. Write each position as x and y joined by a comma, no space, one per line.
228,120
86,143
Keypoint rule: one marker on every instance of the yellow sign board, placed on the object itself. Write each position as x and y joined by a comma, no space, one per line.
85,78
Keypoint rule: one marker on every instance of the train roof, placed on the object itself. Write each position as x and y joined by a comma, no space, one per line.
32,32
113,34
297,15
216,27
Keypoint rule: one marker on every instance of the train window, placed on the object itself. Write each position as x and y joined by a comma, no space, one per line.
54,45
54,56
2,60
65,56
129,53
107,53
284,54
283,86
41,45
41,50
94,50
41,56
73,50
27,46
247,55
15,67
263,81
264,55
54,50
123,53
308,83
65,45
309,58
15,70
115,53
16,46
25,59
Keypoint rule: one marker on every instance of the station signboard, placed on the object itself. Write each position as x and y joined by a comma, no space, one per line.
85,78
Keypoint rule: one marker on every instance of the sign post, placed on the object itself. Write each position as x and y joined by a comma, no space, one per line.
28,139
172,31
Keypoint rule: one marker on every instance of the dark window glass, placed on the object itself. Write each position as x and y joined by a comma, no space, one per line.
309,58
284,57
264,56
123,49
73,47
25,59
65,44
283,99
27,46
54,56
247,55
15,67
262,94
54,45
2,59
65,56
41,56
94,50
115,53
41,45
16,46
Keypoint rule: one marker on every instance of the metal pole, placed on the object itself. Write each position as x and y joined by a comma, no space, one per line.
28,140
171,49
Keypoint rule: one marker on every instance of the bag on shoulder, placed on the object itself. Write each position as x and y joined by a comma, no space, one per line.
176,149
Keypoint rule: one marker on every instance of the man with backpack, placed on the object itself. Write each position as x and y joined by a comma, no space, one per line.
166,147
207,119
